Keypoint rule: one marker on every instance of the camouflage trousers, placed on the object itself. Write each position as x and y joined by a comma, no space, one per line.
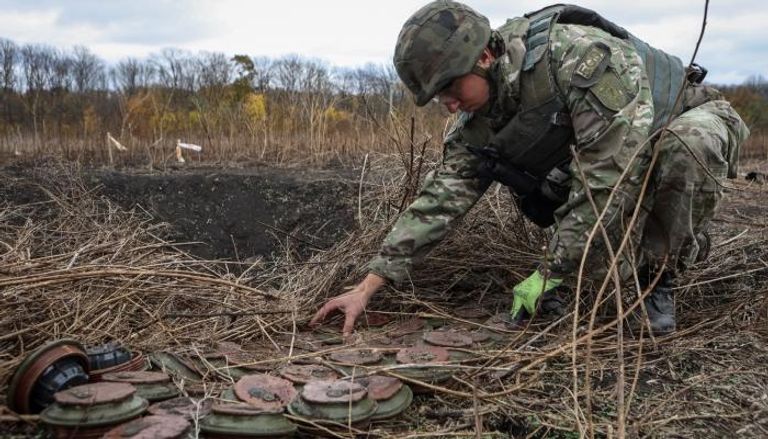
696,153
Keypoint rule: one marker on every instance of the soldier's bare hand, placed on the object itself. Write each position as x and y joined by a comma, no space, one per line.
352,303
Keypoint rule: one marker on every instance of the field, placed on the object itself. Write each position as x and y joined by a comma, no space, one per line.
184,258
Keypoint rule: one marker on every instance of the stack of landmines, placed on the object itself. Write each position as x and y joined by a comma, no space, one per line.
107,391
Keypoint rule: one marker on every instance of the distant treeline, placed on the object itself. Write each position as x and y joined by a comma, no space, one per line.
238,107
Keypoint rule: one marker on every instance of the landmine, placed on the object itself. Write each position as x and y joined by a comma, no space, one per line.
231,361
49,369
151,427
334,403
453,340
374,319
221,365
350,359
448,339
107,355
422,357
90,410
152,386
300,374
391,395
261,417
327,336
109,359
473,313
176,366
265,391
184,406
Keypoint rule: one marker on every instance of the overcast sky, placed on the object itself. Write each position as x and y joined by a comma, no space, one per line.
355,32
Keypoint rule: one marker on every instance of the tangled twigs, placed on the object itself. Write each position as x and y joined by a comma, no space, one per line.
82,267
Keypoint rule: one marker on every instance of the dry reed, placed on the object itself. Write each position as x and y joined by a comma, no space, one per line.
73,264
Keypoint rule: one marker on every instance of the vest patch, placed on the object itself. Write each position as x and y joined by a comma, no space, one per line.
591,60
610,92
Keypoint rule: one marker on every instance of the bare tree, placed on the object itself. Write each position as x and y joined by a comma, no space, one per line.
214,70
37,65
9,57
263,69
171,66
130,75
62,75
87,69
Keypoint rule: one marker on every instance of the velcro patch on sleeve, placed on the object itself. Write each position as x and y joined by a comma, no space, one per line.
611,93
591,65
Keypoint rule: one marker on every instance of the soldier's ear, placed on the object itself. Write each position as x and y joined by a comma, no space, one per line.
486,59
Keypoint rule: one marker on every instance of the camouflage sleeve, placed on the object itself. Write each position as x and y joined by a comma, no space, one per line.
448,193
611,108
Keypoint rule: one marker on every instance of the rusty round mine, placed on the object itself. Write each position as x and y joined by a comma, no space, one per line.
250,361
375,319
227,348
449,339
139,377
422,355
137,363
107,355
265,391
304,373
183,406
327,335
501,322
358,357
381,387
242,409
408,327
470,313
330,392
151,427
96,393
479,336
34,366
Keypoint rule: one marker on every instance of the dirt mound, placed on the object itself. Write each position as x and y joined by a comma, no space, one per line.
233,214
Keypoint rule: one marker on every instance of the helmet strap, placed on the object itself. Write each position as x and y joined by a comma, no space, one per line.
480,71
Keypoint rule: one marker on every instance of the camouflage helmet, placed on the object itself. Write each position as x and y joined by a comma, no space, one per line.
440,42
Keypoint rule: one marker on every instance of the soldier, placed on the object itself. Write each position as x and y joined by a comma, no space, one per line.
571,112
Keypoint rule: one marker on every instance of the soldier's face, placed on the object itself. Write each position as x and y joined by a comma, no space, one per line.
470,92
466,93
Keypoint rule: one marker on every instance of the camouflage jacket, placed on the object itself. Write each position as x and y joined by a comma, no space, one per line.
610,126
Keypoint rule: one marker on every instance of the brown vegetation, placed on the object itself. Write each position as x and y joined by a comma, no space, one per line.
72,264
282,110
257,109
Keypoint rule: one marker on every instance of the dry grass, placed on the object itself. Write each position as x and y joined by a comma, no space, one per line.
75,265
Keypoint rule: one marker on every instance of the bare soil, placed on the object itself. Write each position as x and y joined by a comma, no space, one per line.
230,214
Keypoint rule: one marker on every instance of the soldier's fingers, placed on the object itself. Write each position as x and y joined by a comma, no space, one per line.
323,312
349,323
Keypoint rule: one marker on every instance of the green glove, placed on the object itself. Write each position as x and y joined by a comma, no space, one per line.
527,293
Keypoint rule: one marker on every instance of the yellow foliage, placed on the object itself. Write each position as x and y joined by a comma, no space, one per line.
167,121
140,113
90,120
255,106
334,115
194,118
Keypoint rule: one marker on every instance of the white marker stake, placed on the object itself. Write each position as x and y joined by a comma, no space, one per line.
196,148
117,144
179,157
190,146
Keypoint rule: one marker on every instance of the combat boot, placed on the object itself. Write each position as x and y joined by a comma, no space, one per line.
660,306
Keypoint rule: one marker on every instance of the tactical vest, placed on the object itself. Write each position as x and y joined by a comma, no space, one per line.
538,137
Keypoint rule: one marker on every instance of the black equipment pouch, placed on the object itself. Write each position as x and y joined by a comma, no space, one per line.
537,198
